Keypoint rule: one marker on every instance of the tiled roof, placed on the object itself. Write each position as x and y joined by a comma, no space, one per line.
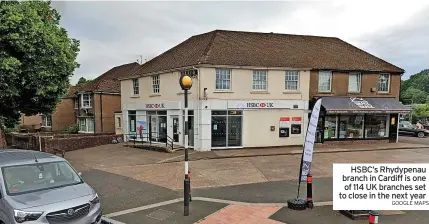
107,82
237,48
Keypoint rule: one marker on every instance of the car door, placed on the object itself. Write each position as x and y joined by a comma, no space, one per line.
3,207
403,130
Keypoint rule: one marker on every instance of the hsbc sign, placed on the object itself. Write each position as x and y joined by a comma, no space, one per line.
155,105
260,105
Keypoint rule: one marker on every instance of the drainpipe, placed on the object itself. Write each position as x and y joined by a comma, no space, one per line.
101,111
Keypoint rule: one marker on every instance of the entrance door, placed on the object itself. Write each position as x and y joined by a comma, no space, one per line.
175,128
393,128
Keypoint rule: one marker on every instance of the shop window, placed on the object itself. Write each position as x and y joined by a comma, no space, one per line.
331,123
291,80
259,80
376,126
354,82
351,126
383,83
223,79
325,81
227,128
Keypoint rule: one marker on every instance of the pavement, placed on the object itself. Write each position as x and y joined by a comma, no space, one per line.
135,187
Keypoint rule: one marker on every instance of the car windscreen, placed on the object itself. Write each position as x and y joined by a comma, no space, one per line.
27,178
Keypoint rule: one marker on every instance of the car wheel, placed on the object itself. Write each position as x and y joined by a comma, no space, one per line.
421,134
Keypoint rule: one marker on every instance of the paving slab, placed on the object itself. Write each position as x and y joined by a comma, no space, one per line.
172,213
325,215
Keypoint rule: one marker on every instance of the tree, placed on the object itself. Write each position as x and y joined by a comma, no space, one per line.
414,96
420,112
418,81
82,80
37,59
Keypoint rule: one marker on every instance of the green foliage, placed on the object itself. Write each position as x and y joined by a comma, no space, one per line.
37,58
421,112
82,80
419,81
74,129
414,96
427,99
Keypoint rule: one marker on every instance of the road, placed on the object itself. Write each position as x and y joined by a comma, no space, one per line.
414,140
135,194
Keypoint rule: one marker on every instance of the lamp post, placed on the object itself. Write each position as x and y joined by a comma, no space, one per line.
185,82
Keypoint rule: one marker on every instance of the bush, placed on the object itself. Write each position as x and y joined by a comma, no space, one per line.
74,129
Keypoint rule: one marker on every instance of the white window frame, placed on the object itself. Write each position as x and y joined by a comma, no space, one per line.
260,80
76,103
86,120
223,76
136,88
89,100
319,82
155,84
388,83
289,74
352,82
45,122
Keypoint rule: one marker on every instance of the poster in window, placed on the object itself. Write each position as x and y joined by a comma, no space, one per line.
295,129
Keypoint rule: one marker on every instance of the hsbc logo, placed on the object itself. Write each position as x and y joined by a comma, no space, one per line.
260,105
155,105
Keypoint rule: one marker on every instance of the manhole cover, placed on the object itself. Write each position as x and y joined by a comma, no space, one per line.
160,214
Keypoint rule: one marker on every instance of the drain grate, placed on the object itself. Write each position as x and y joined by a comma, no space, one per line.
160,214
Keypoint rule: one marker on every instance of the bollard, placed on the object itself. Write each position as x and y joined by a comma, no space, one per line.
189,177
373,217
309,191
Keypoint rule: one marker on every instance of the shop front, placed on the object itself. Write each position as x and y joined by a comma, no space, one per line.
221,124
350,119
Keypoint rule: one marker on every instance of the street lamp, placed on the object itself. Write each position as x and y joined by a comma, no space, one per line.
185,82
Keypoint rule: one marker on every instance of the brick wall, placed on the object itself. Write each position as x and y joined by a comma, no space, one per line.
340,83
65,142
74,143
64,115
111,103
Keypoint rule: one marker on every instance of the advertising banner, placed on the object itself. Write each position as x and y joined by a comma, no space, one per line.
310,137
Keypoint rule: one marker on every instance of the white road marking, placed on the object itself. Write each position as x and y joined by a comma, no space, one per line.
142,208
146,207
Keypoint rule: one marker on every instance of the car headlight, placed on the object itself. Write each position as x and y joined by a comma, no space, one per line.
21,216
95,200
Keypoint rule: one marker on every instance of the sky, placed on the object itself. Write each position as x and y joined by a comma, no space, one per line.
112,33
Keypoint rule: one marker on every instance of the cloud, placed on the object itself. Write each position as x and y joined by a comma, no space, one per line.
405,45
118,32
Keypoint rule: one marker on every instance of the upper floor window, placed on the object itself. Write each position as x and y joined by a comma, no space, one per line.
46,120
291,80
325,81
136,87
155,84
76,103
86,100
383,83
223,79
355,82
259,80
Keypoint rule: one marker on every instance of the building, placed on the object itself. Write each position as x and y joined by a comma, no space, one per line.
360,98
96,102
250,89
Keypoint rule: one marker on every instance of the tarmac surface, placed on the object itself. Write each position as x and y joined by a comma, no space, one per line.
251,189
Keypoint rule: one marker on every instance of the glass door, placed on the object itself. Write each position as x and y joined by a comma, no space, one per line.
175,128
